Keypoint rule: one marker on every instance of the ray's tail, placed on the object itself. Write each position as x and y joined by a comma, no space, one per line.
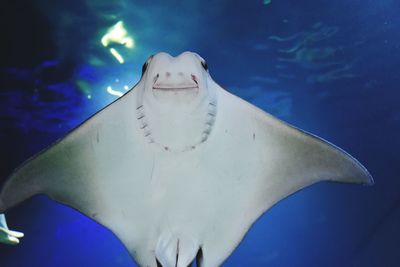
172,251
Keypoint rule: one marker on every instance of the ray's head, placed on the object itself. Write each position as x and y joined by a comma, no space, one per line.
181,80
176,101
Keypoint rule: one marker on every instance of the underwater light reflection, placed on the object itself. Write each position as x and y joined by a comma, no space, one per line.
111,91
117,34
117,55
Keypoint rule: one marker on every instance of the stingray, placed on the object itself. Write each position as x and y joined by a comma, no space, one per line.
178,168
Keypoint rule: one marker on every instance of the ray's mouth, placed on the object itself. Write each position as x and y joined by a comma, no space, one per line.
175,88
193,84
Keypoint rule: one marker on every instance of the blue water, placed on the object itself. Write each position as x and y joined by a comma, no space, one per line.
329,67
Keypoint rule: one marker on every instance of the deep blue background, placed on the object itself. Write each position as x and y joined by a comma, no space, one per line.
329,67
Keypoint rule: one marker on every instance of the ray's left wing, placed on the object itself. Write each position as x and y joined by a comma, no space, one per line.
99,168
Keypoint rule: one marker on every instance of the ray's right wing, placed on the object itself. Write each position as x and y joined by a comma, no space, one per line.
259,161
287,159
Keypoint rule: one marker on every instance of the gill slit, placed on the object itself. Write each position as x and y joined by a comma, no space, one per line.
208,125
